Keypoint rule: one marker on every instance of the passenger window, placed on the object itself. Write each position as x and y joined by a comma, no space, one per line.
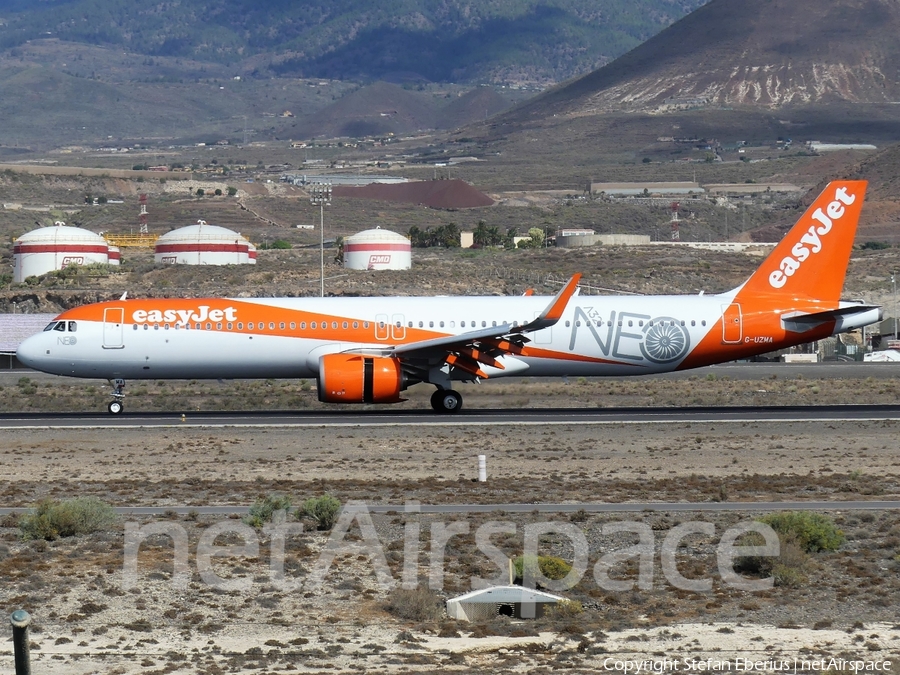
135,327
682,322
146,326
302,325
452,324
73,327
293,326
442,324
693,323
240,325
334,325
209,326
421,324
365,324
431,324
630,323
344,325
410,324
61,327
281,325
356,324
493,324
229,326
218,325
703,323
484,324
641,323
271,325
568,324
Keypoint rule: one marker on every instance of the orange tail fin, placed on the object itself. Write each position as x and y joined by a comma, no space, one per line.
811,261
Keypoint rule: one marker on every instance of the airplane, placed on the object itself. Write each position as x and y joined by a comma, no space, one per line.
370,350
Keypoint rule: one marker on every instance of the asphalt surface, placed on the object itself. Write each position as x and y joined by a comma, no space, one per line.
474,417
618,507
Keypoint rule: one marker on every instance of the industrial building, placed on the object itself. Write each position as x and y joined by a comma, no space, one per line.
377,250
514,601
204,244
54,248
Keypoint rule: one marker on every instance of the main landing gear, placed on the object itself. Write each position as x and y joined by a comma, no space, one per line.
446,401
117,405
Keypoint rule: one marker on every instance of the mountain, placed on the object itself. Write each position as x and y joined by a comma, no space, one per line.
755,53
449,40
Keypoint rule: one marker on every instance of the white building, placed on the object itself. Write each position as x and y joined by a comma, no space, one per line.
204,244
54,248
377,250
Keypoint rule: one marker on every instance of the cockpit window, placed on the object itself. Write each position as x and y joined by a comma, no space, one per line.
73,326
61,326
50,326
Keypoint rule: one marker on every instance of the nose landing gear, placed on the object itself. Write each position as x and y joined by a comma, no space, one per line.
117,405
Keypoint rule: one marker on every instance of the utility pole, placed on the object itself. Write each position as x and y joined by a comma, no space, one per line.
320,193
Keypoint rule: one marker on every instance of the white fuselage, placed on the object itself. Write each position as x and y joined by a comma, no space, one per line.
596,335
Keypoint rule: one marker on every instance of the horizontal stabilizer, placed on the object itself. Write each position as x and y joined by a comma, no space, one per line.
845,318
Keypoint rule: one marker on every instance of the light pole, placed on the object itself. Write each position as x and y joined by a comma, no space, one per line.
320,193
894,286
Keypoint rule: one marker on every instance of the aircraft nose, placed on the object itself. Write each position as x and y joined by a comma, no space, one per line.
29,352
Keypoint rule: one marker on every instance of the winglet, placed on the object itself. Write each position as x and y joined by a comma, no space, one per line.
555,309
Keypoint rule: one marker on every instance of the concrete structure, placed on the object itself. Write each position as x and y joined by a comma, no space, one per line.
514,601
751,188
637,189
203,244
14,328
377,250
580,240
340,179
53,248
466,239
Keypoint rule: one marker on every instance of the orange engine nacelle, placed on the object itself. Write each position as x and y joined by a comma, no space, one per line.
358,378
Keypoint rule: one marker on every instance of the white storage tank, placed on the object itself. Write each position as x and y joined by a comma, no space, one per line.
115,255
377,250
53,248
204,244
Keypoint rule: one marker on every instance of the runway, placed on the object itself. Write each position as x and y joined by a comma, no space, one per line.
466,418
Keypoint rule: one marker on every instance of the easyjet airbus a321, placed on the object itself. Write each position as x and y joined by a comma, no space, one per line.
369,350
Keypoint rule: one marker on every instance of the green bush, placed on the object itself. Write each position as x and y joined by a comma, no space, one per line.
69,518
264,509
812,532
324,510
550,566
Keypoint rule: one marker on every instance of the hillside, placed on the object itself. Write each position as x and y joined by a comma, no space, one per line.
760,53
534,41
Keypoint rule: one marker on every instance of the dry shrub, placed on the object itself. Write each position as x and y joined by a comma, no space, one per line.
418,604
69,518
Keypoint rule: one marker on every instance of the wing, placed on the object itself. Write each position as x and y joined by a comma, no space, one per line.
472,351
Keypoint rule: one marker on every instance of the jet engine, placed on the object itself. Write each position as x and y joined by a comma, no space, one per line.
359,378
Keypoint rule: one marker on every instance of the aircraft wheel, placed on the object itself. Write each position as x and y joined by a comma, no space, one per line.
115,407
446,401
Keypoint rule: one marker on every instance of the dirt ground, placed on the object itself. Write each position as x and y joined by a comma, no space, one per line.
89,618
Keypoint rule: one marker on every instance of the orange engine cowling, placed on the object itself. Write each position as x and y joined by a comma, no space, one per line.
358,378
